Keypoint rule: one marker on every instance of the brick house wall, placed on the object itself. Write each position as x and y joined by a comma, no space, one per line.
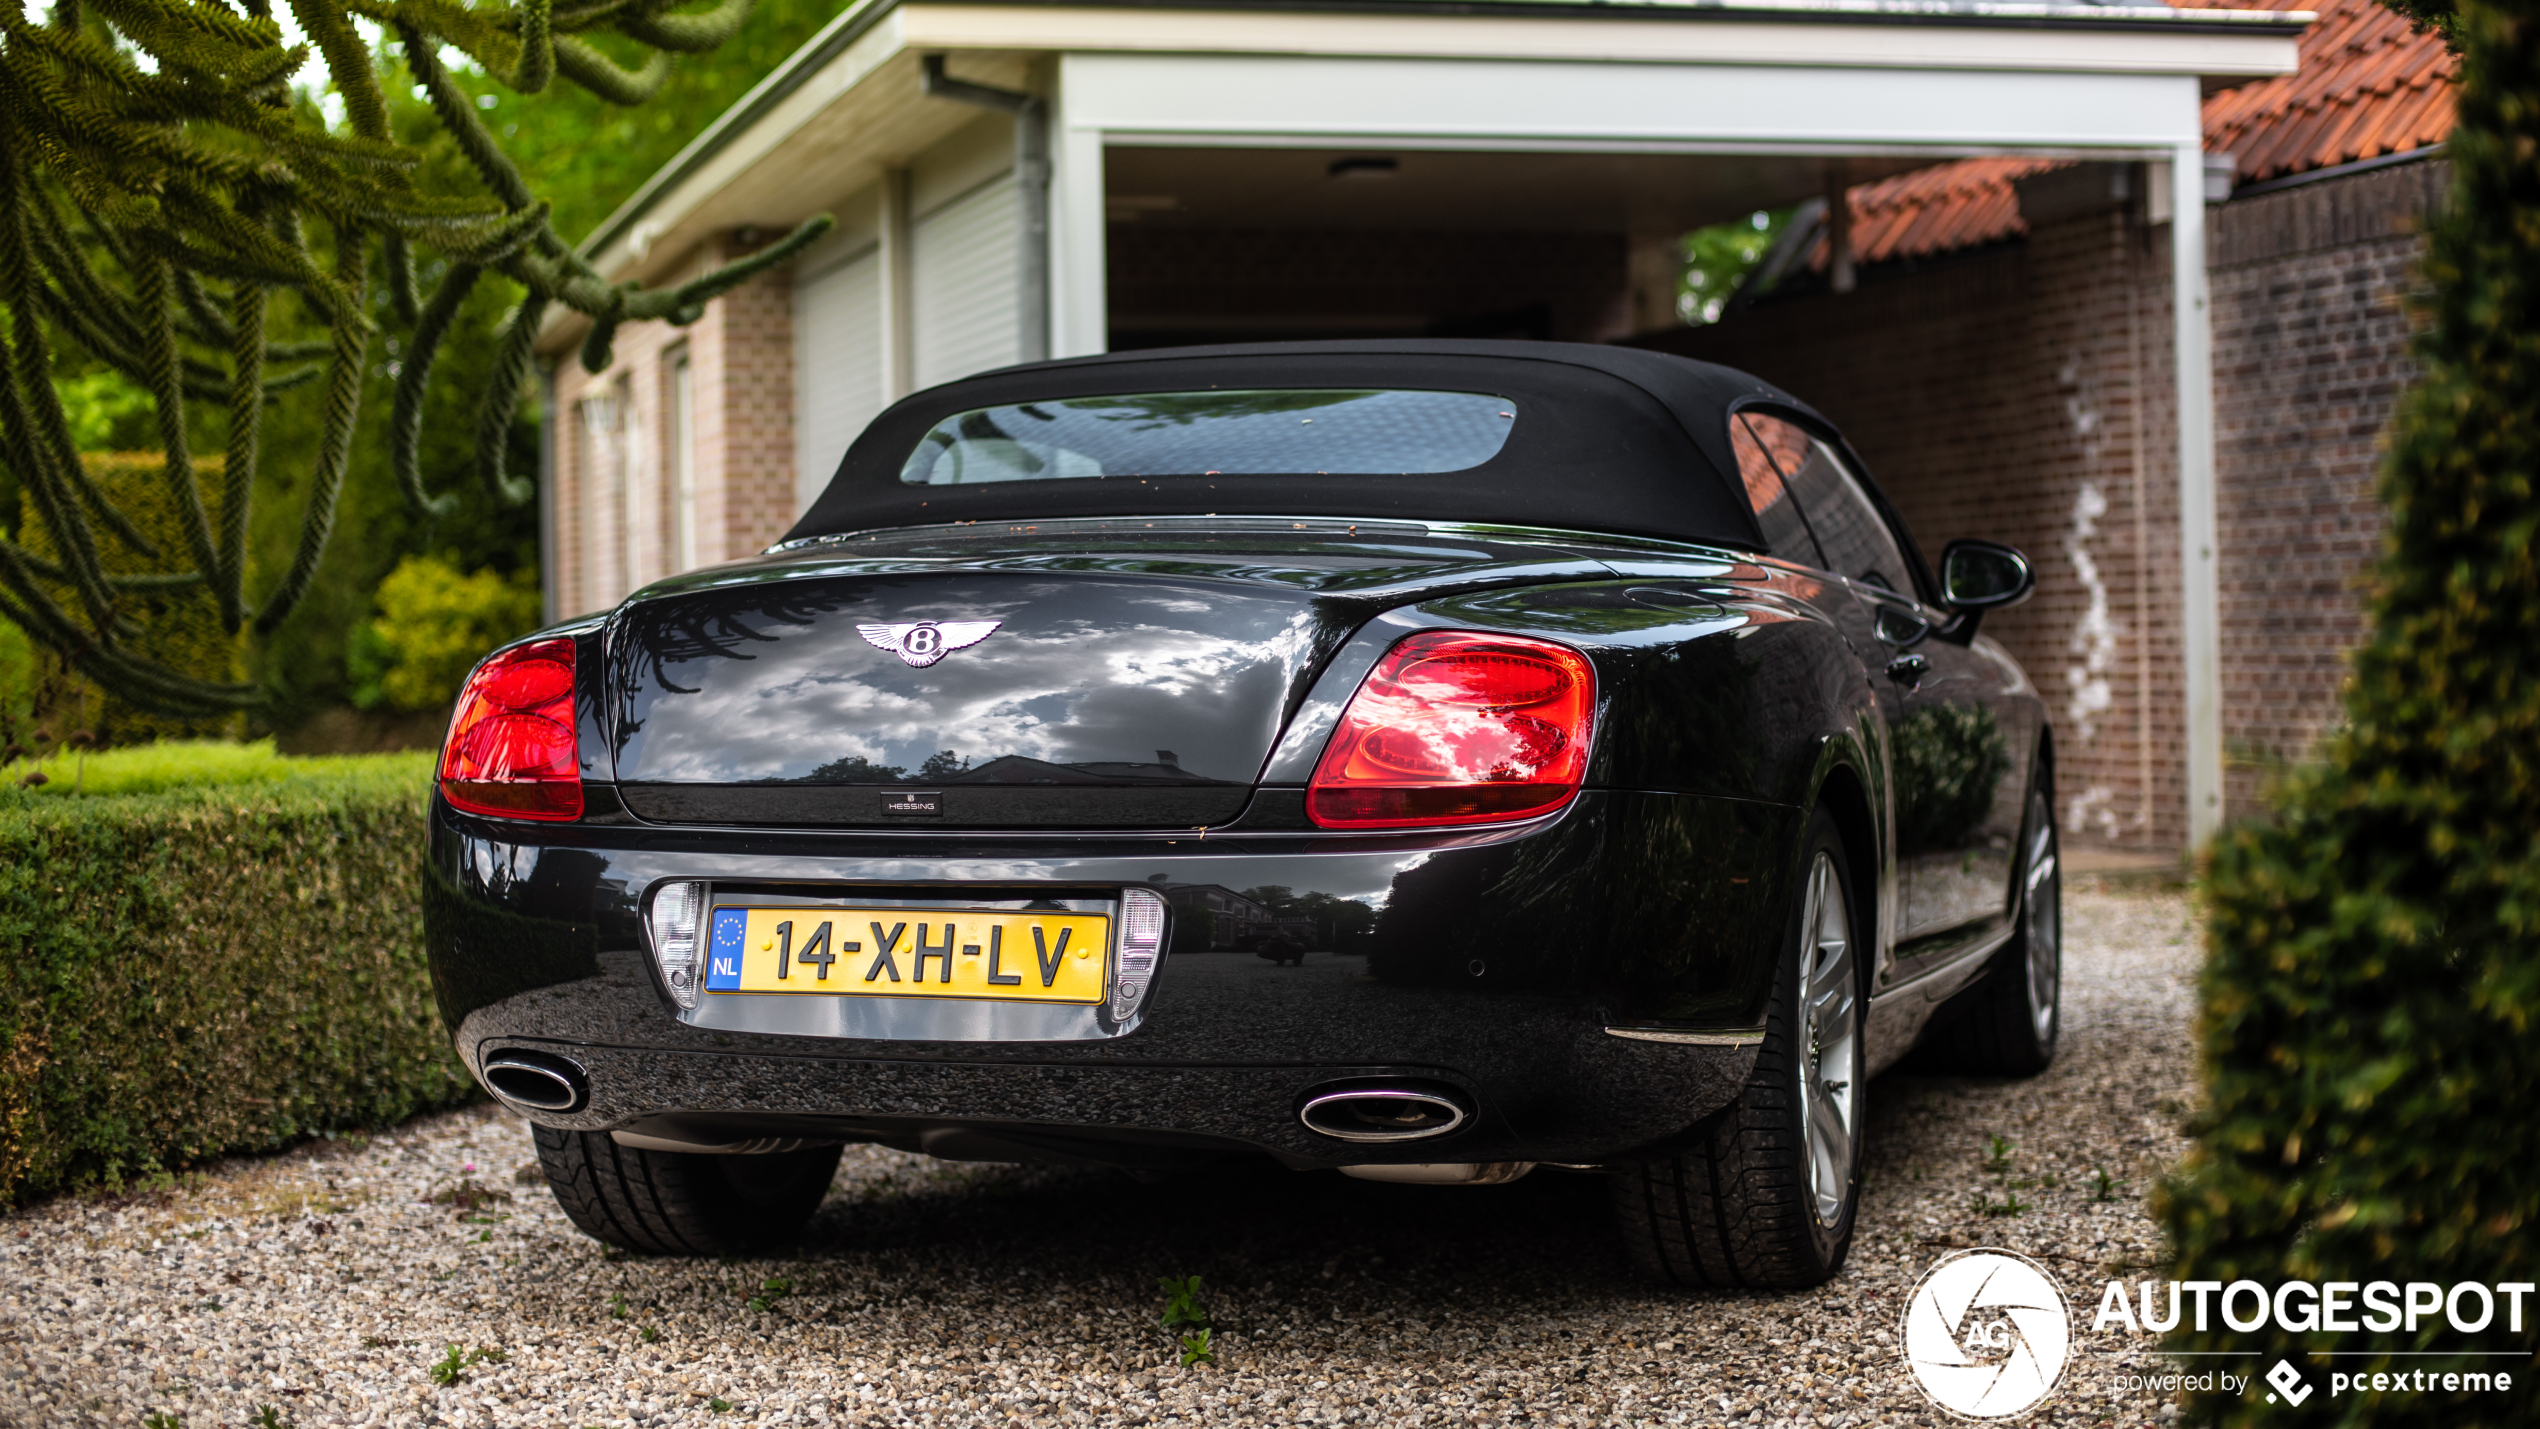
2311,353
2019,393
2022,392
616,518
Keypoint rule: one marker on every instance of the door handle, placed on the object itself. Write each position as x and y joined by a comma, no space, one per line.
1908,670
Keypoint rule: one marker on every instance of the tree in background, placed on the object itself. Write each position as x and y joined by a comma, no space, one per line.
1718,258
2368,1036
164,201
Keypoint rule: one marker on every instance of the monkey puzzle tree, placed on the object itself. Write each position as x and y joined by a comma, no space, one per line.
159,190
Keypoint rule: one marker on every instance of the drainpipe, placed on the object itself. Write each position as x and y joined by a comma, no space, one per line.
1031,193
547,492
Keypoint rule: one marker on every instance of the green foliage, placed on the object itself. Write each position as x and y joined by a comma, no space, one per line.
2367,1033
1952,759
2441,16
104,409
1183,1307
172,211
451,1369
1186,1320
179,621
211,969
434,625
1718,258
184,764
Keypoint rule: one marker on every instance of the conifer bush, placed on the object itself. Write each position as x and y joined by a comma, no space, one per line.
2370,1057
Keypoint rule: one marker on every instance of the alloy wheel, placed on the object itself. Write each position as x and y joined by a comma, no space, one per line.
2044,909
1830,1035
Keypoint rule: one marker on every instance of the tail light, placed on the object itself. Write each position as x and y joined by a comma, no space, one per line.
512,751
1458,728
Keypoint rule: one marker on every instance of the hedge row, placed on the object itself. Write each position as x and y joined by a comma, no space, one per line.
211,970
2369,1007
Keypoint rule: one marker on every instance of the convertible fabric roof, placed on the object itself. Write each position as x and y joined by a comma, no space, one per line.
1606,439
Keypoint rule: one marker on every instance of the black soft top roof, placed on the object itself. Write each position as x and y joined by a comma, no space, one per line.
1607,439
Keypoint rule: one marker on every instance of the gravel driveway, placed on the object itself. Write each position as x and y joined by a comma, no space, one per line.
328,1283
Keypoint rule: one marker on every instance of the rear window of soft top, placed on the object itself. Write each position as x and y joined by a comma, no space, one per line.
1270,431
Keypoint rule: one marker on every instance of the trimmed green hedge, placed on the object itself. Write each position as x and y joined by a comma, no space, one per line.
212,969
2371,1062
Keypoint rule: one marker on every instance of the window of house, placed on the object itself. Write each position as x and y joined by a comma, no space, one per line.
1785,532
1853,537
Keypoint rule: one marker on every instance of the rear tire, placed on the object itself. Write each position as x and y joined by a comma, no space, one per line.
682,1202
1766,1194
2014,1018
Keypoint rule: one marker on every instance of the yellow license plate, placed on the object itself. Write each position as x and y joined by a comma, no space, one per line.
911,952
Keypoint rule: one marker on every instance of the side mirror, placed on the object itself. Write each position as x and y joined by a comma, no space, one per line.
1984,575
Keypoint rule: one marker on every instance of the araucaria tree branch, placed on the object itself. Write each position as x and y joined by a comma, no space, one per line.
158,188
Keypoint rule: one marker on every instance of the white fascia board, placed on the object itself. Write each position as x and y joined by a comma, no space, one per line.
1589,106
663,211
2141,47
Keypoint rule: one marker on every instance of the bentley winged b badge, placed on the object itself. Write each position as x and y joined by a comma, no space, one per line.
923,642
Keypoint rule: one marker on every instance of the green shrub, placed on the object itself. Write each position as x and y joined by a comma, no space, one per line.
434,625
2368,1005
180,626
192,764
218,968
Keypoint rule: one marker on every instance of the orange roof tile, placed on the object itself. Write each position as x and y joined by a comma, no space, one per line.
2367,85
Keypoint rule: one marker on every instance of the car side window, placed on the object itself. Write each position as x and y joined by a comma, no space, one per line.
1855,538
1785,532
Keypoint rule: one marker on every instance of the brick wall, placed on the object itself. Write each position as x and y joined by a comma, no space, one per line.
2311,338
2018,393
616,517
2023,393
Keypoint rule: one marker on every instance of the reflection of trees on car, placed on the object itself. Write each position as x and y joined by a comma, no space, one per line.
1951,758
1338,922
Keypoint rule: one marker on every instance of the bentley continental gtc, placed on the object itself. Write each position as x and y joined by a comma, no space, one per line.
1423,760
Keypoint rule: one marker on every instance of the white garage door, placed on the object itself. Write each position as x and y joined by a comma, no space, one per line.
837,367
961,271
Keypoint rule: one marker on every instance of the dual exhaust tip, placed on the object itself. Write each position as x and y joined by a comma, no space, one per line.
1366,1115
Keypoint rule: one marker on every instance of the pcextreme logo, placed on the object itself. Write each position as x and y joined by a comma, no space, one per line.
1987,1334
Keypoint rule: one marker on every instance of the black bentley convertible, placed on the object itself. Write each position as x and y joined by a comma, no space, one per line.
1588,712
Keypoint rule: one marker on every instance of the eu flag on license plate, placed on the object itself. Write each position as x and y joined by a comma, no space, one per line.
723,956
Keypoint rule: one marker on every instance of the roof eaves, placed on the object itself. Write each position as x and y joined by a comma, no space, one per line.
781,82
861,16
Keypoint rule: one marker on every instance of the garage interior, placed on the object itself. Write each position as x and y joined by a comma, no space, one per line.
1217,244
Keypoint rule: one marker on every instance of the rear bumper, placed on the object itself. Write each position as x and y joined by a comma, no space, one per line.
1496,964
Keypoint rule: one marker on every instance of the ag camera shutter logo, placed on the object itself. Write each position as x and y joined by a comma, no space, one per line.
1987,1334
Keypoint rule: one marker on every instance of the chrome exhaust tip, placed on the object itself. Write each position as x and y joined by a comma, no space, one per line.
1379,1114
537,1081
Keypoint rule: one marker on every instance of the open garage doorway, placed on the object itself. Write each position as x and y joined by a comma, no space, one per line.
1208,243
